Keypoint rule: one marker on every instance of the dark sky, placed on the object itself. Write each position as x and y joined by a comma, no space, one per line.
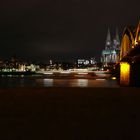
61,29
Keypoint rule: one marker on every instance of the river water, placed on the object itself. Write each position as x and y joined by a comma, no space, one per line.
43,81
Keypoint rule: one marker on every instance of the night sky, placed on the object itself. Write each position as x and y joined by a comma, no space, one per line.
40,30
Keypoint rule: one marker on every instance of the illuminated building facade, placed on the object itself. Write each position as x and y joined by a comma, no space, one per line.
86,62
112,49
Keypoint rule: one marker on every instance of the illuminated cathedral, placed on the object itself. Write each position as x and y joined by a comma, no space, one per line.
112,49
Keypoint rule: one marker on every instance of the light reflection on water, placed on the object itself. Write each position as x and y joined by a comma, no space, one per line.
48,82
56,82
82,82
77,82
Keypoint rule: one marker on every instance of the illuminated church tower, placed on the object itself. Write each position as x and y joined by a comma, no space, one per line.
112,49
108,41
116,41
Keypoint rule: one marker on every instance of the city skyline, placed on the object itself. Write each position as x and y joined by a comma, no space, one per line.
45,30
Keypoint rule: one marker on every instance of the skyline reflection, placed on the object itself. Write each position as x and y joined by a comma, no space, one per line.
76,82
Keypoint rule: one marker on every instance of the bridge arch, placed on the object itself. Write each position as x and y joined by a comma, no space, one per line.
127,42
137,38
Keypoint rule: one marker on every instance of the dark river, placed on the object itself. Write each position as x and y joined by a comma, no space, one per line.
44,81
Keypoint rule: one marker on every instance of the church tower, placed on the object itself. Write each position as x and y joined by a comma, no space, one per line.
116,41
112,48
108,41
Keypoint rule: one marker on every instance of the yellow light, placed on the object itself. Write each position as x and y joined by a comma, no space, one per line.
113,78
48,73
136,42
124,73
83,73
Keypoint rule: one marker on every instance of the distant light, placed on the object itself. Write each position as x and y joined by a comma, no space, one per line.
48,73
113,78
101,79
65,72
81,70
83,73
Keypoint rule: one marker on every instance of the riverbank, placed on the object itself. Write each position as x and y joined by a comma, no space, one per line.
70,113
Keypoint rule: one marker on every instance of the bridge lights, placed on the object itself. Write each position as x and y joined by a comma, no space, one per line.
124,73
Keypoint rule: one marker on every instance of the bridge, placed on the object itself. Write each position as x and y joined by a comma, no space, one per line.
129,63
130,39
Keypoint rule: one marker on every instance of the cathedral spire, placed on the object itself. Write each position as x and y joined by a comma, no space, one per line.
116,41
108,40
117,36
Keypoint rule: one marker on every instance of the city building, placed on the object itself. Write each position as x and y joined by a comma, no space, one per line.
86,62
112,48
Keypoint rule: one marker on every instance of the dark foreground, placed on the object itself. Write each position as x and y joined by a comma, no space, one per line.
70,114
